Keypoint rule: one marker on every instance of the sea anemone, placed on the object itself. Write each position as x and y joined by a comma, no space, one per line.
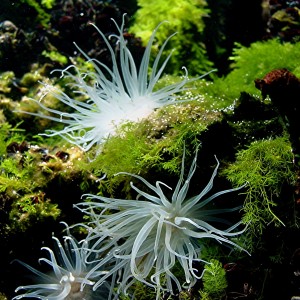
119,94
152,234
68,274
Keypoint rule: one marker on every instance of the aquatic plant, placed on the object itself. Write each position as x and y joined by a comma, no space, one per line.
214,280
267,166
152,234
69,268
120,94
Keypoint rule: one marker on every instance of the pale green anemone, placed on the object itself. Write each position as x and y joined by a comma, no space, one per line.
120,93
151,234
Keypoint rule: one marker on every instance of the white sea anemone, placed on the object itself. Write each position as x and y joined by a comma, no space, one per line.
152,234
119,94
68,275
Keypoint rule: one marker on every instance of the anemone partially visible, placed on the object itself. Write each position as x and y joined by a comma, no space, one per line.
68,275
152,234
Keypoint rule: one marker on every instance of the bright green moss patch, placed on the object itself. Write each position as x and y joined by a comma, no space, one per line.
250,63
55,56
43,16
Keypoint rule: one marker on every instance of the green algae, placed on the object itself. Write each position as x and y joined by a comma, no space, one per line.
266,166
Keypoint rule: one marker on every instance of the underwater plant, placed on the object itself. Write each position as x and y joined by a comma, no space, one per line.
214,280
119,94
69,268
267,166
152,234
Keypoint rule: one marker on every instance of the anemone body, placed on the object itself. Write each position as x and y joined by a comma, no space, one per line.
152,234
68,275
120,93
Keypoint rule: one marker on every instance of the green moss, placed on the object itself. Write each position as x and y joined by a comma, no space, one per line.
266,166
204,295
214,280
6,81
184,17
48,3
155,143
55,56
31,78
32,209
142,292
27,170
250,63
15,177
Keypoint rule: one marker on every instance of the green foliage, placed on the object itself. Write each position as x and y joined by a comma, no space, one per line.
19,180
250,63
31,78
266,166
184,17
142,292
204,295
214,280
